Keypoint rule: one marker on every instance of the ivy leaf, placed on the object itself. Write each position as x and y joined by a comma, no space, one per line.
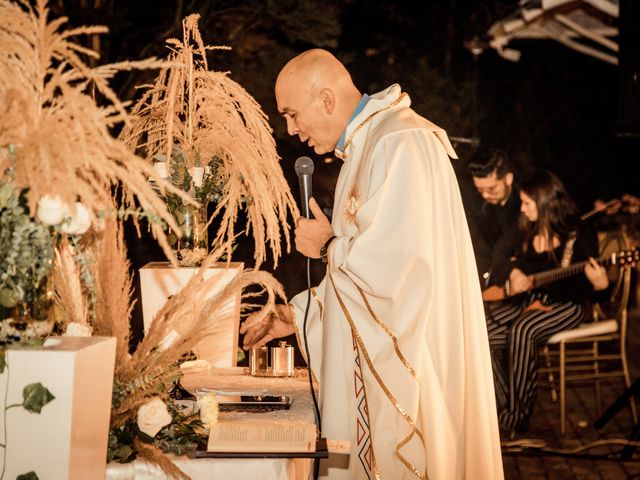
28,476
35,396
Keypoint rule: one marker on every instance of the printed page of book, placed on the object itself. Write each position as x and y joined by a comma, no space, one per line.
281,436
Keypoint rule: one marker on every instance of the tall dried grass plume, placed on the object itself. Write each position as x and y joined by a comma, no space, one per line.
207,115
187,318
69,292
55,137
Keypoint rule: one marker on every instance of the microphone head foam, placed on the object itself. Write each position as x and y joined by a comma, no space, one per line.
304,166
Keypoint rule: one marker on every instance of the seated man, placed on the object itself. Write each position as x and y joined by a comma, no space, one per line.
494,218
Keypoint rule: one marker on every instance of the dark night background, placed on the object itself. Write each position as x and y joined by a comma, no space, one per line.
555,108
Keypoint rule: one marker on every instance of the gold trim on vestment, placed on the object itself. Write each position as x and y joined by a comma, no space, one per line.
351,204
343,154
388,331
385,389
314,294
394,339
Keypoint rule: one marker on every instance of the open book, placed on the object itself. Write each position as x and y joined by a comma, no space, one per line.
264,437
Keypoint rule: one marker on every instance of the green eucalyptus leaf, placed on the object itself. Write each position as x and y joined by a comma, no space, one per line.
240,356
28,476
35,396
26,251
5,195
8,298
124,452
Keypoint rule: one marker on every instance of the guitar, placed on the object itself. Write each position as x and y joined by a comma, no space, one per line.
622,258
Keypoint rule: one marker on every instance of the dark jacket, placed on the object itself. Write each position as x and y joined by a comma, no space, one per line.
494,236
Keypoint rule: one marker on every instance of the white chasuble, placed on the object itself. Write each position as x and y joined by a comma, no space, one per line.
396,329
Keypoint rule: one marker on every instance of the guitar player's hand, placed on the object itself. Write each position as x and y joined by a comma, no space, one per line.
518,282
596,274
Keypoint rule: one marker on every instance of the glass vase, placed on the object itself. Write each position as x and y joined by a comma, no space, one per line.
192,247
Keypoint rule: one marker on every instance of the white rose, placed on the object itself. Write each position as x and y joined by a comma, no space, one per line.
75,329
208,406
80,220
153,416
161,169
167,341
197,173
51,210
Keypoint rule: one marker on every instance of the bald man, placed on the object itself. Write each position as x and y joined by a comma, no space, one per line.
396,330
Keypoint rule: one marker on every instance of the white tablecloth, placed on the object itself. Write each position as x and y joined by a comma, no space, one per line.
235,380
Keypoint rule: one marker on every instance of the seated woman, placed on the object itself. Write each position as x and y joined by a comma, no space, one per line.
550,236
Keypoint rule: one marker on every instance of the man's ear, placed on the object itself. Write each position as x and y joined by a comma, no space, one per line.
328,100
509,178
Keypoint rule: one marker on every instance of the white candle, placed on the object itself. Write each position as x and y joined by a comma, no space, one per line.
197,173
161,169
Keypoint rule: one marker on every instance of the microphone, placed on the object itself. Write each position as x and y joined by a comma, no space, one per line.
304,170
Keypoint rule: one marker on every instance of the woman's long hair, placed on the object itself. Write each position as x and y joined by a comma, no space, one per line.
557,214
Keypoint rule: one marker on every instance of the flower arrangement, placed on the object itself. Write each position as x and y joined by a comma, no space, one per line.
210,138
60,137
59,165
59,162
145,420
205,185
61,236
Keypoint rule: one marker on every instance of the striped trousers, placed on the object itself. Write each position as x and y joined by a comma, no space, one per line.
515,333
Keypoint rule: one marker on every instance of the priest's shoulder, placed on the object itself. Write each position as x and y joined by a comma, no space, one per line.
401,120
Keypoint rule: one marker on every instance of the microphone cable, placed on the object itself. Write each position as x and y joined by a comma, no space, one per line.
316,466
304,170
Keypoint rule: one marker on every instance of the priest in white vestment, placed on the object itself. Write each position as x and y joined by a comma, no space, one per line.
396,330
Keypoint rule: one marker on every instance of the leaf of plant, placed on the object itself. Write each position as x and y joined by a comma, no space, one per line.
3,360
35,396
28,476
5,195
7,298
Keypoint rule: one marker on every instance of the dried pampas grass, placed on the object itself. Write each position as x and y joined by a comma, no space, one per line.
188,317
208,115
189,314
154,455
113,287
54,137
69,293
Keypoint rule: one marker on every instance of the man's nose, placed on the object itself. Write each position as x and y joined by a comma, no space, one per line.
291,127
